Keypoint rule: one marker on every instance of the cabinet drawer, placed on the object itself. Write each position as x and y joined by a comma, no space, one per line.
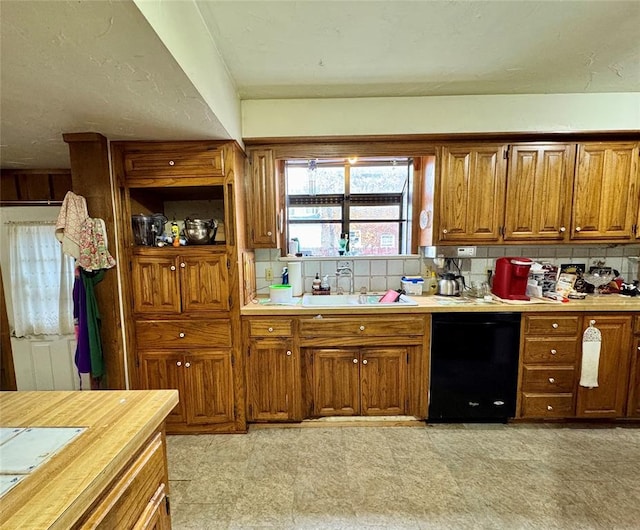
554,350
189,163
366,326
547,405
125,502
548,326
270,328
182,333
548,379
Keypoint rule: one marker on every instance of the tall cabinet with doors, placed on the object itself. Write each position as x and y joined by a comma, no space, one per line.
182,304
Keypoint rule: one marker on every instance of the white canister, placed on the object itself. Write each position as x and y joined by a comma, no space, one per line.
280,294
295,277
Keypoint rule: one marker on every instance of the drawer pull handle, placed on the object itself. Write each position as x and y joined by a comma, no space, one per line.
179,363
269,233
554,351
355,361
172,163
554,325
562,229
549,407
592,322
361,328
183,265
364,361
186,365
552,380
270,330
173,267
578,229
181,335
445,231
288,353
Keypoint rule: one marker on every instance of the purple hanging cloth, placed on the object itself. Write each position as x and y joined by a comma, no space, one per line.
83,351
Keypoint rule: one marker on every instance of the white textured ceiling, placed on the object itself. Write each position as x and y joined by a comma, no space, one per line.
96,65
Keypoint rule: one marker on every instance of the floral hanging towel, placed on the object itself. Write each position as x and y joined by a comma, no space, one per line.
94,255
73,213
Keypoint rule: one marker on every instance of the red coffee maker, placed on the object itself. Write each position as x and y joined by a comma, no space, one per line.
510,279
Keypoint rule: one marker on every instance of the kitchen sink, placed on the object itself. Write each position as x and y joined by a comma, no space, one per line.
350,300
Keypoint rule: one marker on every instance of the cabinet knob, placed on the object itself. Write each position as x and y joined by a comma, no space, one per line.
355,361
364,361
288,353
179,363
187,364
361,328
578,229
181,335
553,352
554,325
172,163
563,229
445,231
549,407
552,380
269,233
270,330
173,267
592,322
183,265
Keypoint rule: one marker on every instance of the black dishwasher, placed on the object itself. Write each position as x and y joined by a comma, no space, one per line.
474,367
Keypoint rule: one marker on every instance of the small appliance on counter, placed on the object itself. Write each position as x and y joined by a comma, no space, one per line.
200,231
511,277
449,284
146,228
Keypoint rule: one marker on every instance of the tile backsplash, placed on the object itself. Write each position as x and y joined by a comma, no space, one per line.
379,274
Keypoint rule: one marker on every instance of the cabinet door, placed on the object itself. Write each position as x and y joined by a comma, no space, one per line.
383,378
608,399
209,386
204,282
633,405
155,515
472,192
271,379
539,191
160,370
605,197
263,204
336,382
156,285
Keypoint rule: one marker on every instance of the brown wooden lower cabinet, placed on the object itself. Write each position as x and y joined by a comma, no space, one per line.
273,380
608,399
358,381
203,379
633,405
547,405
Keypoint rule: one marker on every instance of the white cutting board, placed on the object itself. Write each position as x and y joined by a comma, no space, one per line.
23,450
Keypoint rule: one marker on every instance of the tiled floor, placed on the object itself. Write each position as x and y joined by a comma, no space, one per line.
471,476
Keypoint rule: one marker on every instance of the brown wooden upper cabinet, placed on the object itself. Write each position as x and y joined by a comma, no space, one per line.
471,193
539,189
606,192
265,206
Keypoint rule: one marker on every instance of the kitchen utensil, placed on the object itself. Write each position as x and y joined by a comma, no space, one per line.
200,231
448,284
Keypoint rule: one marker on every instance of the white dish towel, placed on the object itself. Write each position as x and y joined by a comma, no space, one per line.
591,342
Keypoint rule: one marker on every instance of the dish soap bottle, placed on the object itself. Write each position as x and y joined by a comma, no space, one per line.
432,288
315,285
285,276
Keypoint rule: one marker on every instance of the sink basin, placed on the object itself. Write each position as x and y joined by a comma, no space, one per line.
351,300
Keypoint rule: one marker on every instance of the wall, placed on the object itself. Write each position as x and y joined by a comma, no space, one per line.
46,362
380,274
441,114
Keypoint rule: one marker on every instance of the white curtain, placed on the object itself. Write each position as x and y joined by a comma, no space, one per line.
41,281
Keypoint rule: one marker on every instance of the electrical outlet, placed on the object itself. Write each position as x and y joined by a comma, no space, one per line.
466,252
268,274
344,264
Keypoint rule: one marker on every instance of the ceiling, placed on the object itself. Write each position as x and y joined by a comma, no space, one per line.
99,66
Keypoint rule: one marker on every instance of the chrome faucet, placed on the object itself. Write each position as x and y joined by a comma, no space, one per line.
342,271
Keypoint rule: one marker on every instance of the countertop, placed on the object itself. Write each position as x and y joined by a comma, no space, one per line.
442,304
59,491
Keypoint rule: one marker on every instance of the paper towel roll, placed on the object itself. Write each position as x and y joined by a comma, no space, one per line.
295,277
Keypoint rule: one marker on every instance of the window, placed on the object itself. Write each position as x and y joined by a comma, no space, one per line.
364,204
41,281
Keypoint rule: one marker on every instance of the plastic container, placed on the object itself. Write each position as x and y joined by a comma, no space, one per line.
412,284
280,294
